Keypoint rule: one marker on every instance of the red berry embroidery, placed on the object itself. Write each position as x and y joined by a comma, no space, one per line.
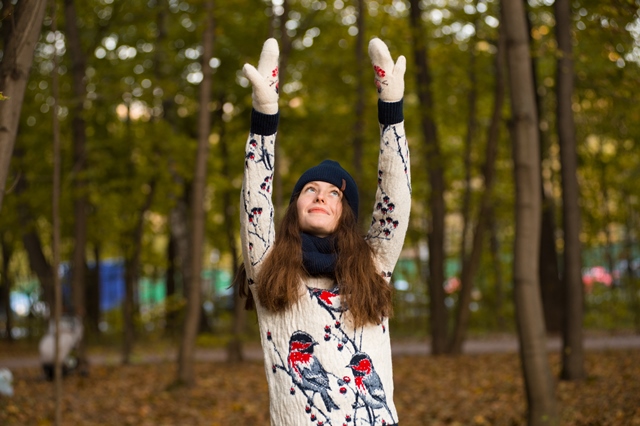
379,71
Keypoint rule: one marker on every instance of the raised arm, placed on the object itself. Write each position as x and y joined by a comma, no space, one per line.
256,208
393,196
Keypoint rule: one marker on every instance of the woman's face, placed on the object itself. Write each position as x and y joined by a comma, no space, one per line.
319,208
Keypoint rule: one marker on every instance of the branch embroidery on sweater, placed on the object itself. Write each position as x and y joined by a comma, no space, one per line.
259,155
400,146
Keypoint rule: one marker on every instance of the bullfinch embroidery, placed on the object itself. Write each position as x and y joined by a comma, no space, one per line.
369,386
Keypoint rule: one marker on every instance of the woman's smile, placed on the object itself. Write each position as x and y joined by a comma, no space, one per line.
319,208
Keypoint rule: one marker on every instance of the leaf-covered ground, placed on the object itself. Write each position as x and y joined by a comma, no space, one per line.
463,390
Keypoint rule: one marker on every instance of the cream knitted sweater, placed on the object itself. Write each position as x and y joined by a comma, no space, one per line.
320,370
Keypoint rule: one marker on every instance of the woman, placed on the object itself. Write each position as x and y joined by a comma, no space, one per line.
321,290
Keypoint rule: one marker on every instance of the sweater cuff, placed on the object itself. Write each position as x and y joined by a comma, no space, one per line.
264,124
390,112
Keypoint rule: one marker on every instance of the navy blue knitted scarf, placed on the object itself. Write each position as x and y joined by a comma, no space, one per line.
319,255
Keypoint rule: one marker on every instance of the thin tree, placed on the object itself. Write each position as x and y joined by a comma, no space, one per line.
434,161
178,246
358,122
279,22
80,200
55,222
551,289
229,194
572,345
550,283
466,274
538,380
31,241
131,275
25,24
186,357
630,276
5,282
471,261
494,248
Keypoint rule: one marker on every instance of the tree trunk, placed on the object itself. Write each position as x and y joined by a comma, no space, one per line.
471,262
550,285
179,219
93,293
24,30
131,275
55,225
551,289
631,281
80,201
40,265
128,332
31,242
497,268
285,49
128,323
186,358
234,348
572,346
358,122
605,210
538,380
435,233
279,22
170,316
466,275
177,247
5,284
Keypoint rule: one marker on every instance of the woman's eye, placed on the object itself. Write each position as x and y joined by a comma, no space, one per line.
335,193
310,189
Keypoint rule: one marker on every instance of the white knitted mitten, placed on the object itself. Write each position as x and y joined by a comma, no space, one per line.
389,77
265,79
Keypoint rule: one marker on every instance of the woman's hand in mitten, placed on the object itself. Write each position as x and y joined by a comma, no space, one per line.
389,76
265,79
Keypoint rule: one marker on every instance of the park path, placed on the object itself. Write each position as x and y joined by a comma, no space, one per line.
505,344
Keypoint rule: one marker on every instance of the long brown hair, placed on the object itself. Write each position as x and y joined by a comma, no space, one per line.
366,293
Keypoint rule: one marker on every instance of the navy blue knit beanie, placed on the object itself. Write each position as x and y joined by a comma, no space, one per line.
331,172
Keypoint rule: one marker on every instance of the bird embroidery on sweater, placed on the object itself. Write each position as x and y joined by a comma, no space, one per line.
308,373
